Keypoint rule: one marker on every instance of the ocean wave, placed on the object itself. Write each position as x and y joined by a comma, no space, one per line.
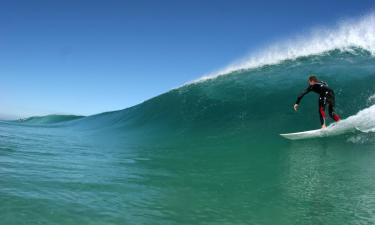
49,119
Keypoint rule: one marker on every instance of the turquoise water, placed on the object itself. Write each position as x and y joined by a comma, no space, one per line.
205,153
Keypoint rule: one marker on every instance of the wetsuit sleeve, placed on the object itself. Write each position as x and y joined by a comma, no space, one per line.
307,90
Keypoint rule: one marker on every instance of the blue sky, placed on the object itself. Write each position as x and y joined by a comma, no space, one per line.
87,57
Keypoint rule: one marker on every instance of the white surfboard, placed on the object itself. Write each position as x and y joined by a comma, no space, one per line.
306,134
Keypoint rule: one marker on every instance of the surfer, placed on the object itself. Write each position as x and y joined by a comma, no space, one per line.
326,96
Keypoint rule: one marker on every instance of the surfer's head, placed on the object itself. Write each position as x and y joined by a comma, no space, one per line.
313,79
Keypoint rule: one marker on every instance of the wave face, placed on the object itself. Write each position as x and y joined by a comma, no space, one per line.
206,153
254,103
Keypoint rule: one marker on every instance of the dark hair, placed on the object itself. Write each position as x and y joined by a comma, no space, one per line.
313,78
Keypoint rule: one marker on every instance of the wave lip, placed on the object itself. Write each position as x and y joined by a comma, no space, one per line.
358,33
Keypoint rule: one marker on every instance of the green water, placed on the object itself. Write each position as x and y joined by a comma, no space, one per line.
207,153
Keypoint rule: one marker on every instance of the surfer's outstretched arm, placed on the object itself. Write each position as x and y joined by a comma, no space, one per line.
307,90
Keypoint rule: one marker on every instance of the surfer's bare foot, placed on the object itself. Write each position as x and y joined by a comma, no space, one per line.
324,126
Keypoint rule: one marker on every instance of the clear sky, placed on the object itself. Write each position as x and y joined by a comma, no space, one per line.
86,57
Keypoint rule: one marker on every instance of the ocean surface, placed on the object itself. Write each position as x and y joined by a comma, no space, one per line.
208,152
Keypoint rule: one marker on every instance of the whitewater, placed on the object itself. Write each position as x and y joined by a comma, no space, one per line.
347,34
209,152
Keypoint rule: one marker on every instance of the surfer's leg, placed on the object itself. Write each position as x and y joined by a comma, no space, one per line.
331,109
322,107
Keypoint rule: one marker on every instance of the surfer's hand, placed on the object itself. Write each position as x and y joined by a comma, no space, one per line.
295,107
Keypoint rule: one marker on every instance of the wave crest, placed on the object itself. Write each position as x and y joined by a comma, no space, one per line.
358,33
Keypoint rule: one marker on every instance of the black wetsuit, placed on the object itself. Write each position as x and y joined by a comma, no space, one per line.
326,96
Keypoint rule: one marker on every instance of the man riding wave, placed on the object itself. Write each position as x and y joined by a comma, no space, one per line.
326,96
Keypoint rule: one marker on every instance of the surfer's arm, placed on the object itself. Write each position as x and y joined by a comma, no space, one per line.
307,90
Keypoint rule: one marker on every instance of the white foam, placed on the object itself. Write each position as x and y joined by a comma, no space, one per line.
345,35
363,121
